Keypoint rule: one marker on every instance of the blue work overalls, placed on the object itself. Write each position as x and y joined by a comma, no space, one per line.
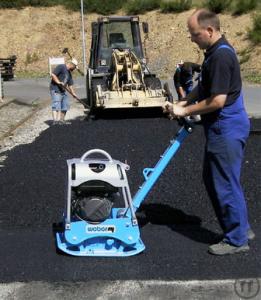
226,135
188,87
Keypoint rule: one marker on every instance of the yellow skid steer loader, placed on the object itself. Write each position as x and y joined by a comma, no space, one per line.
118,76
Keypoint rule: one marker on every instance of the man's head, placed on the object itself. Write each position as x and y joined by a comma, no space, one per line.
204,28
73,64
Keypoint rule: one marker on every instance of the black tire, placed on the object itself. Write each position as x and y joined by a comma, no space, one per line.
152,82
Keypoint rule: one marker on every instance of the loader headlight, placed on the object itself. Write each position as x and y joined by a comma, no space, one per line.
135,19
103,62
105,20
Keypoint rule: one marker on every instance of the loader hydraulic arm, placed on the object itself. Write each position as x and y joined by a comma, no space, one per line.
127,70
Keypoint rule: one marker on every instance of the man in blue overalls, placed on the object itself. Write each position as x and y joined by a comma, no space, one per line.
226,126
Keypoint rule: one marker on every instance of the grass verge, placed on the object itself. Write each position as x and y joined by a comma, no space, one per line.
252,78
254,34
31,74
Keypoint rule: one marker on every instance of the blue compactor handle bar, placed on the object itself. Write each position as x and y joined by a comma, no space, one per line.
151,175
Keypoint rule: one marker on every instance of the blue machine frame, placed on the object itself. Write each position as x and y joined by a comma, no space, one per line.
119,235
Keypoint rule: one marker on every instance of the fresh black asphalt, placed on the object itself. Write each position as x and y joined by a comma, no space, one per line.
177,220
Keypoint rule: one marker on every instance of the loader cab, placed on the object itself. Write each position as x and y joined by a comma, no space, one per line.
110,33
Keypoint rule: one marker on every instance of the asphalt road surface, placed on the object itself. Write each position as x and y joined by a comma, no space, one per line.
177,220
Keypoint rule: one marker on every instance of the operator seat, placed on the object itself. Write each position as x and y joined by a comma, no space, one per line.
117,40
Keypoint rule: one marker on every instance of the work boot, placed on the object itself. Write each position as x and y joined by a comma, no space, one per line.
250,234
64,122
223,248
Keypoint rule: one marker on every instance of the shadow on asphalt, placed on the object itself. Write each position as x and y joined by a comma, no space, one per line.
178,221
131,113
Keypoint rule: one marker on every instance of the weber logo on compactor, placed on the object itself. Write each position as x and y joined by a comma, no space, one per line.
101,229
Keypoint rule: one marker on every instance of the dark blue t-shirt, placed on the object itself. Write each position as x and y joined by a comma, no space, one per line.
221,72
64,76
184,74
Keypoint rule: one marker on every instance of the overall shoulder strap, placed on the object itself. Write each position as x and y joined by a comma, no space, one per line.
226,47
221,47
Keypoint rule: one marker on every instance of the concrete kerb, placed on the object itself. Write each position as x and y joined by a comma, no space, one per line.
5,101
133,289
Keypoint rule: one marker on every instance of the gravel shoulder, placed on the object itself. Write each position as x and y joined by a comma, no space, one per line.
39,121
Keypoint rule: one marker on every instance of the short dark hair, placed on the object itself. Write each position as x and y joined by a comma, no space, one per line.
208,18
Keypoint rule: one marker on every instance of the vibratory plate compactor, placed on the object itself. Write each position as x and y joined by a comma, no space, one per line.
94,223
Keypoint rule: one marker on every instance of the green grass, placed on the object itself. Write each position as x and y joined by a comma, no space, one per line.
243,6
141,6
31,74
244,55
254,34
252,78
31,58
103,7
217,6
37,74
18,4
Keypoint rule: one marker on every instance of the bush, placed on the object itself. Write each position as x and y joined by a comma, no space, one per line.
217,6
10,4
31,58
175,6
98,6
141,6
244,6
103,7
244,55
18,4
255,33
38,3
253,78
